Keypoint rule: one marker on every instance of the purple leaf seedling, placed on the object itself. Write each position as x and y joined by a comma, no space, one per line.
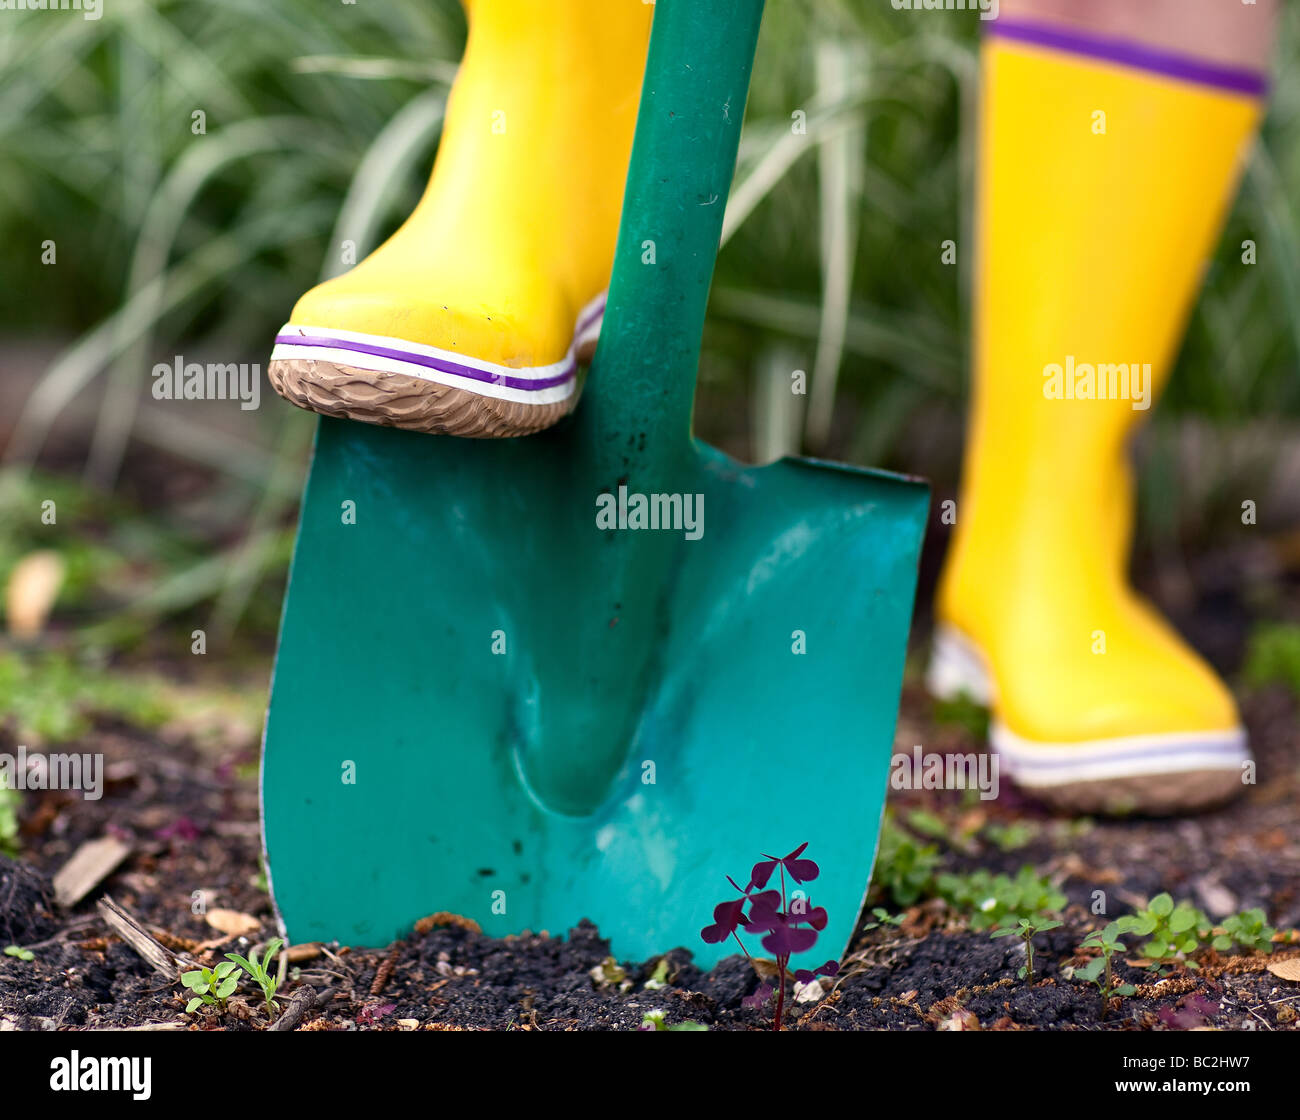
787,925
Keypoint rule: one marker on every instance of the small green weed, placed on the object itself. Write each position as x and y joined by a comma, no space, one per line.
1099,970
883,918
904,867
1026,929
1273,656
1249,929
258,970
211,986
1000,900
1173,930
656,1021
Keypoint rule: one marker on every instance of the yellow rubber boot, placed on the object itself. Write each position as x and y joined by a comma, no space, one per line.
1105,174
472,318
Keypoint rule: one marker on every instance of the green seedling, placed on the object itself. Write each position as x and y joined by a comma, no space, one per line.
1174,931
211,986
19,952
958,834
1099,970
1249,929
655,1021
928,824
999,900
610,974
883,918
658,978
260,974
1026,929
1009,837
904,868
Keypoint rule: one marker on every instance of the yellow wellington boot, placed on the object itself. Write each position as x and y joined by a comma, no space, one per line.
1106,170
472,318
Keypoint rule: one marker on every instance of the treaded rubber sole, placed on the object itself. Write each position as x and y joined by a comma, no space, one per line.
400,384
397,400
1152,774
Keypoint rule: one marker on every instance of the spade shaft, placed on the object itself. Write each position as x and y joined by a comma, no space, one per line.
487,701
633,431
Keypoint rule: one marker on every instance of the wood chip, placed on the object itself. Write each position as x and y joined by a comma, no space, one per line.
308,952
179,1025
33,586
90,864
961,1020
150,949
233,923
1286,970
446,918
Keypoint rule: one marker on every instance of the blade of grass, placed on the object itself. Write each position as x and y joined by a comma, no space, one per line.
840,157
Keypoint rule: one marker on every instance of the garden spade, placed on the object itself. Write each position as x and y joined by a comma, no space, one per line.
591,672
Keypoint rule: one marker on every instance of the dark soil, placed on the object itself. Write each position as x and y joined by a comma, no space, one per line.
191,819
26,904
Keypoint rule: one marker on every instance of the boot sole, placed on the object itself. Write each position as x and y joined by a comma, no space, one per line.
1162,774
376,379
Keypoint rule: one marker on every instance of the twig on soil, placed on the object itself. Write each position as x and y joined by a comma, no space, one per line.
1267,1024
67,934
302,1001
174,1026
153,951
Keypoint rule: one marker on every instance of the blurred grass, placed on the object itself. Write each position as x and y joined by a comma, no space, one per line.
321,121
50,697
1273,656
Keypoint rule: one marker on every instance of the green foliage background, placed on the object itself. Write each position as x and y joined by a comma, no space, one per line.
321,122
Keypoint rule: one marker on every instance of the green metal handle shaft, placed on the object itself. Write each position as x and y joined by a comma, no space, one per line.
641,390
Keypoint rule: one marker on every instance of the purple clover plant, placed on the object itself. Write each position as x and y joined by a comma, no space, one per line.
787,926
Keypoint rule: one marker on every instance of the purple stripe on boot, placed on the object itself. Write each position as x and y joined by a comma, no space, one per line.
1125,52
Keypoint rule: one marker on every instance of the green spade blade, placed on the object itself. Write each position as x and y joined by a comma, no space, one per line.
501,691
